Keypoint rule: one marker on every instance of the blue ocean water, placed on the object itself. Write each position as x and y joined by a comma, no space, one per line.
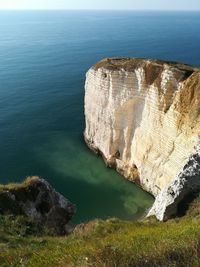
44,56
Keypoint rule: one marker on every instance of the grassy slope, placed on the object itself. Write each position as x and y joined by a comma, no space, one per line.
104,243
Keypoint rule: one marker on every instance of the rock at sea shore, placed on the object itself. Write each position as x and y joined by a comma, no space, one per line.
143,117
38,200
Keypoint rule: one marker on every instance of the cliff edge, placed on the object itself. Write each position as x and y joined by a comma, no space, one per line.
143,117
36,199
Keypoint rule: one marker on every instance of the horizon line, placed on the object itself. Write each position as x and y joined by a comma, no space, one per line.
90,9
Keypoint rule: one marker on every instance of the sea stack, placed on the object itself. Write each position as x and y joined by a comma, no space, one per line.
143,117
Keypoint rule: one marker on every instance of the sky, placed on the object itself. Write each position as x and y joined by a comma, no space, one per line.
102,4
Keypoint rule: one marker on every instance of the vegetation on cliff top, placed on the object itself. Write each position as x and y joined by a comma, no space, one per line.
103,243
130,64
15,186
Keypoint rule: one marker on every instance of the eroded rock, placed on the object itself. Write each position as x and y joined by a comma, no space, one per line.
143,117
37,199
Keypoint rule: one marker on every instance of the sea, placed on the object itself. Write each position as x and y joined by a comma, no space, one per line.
44,56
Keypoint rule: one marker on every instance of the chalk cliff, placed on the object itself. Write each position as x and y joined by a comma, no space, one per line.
143,117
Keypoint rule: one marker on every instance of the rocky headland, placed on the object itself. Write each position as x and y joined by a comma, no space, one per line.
36,199
143,117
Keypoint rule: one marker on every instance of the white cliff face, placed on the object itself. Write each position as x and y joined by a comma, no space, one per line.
143,116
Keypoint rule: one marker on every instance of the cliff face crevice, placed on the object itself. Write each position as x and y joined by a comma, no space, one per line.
143,116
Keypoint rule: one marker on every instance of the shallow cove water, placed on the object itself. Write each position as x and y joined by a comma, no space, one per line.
43,59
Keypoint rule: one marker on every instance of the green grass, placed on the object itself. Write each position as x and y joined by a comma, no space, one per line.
102,243
15,186
108,243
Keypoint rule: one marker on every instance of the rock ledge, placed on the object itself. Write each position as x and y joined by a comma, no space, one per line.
37,199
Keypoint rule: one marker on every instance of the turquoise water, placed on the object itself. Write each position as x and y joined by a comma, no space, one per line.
43,59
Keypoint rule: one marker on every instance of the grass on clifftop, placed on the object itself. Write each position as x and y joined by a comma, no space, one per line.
14,186
104,243
110,243
129,64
